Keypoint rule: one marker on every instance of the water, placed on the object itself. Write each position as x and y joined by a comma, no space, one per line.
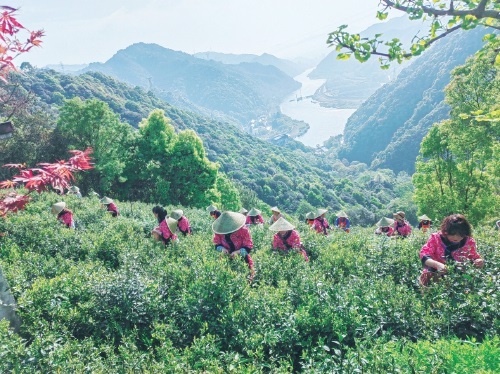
323,122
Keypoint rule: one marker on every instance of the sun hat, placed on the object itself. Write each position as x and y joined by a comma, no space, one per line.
58,207
74,189
320,212
275,209
424,218
385,222
281,225
342,214
172,224
177,214
106,200
399,215
310,215
228,222
253,212
243,211
211,208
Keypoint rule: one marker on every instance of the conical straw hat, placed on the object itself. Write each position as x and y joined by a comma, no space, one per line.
399,215
58,207
177,214
320,212
228,222
281,225
384,222
424,218
310,215
253,212
342,214
74,189
172,224
211,208
275,209
243,211
106,200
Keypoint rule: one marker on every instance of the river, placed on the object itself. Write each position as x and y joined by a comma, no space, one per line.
323,122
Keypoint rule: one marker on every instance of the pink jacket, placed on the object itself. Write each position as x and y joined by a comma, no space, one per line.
66,217
320,225
165,231
183,225
257,219
240,238
435,249
402,229
113,209
388,230
293,241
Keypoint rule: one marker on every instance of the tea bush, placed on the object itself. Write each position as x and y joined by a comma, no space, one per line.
106,298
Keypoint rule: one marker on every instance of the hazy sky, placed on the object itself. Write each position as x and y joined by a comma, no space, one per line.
93,31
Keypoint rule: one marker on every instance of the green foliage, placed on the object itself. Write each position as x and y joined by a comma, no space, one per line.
106,297
458,168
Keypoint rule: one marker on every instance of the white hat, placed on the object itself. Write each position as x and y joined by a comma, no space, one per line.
385,222
243,211
342,214
172,224
106,200
424,218
253,212
320,212
281,225
275,209
177,214
211,208
228,222
58,207
310,215
74,189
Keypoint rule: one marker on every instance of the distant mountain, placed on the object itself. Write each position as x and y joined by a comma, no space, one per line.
349,83
67,69
290,68
387,129
237,93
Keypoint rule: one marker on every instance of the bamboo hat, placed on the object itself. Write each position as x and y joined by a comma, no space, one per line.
58,207
106,200
399,215
228,222
281,225
385,222
275,209
172,224
342,214
74,189
243,211
211,208
424,218
253,212
177,214
310,215
320,212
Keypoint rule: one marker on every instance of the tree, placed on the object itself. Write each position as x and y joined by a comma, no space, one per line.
10,45
458,167
57,175
92,123
446,17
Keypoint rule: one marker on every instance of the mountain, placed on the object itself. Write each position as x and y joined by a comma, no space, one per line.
291,177
349,82
236,93
290,68
387,129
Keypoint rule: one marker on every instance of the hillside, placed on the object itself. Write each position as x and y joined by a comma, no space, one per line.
237,93
293,177
290,68
349,82
387,129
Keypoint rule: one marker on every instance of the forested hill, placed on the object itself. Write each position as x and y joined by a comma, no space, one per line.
387,129
237,92
295,180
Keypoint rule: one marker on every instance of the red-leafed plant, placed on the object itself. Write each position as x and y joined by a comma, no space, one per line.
10,45
58,175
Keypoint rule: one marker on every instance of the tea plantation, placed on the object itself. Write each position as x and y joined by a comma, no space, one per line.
105,298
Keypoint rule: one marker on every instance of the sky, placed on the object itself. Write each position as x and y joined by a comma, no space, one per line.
80,32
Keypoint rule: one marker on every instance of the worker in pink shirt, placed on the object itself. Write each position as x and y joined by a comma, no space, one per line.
165,231
110,206
286,238
64,215
182,222
401,226
320,223
253,217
